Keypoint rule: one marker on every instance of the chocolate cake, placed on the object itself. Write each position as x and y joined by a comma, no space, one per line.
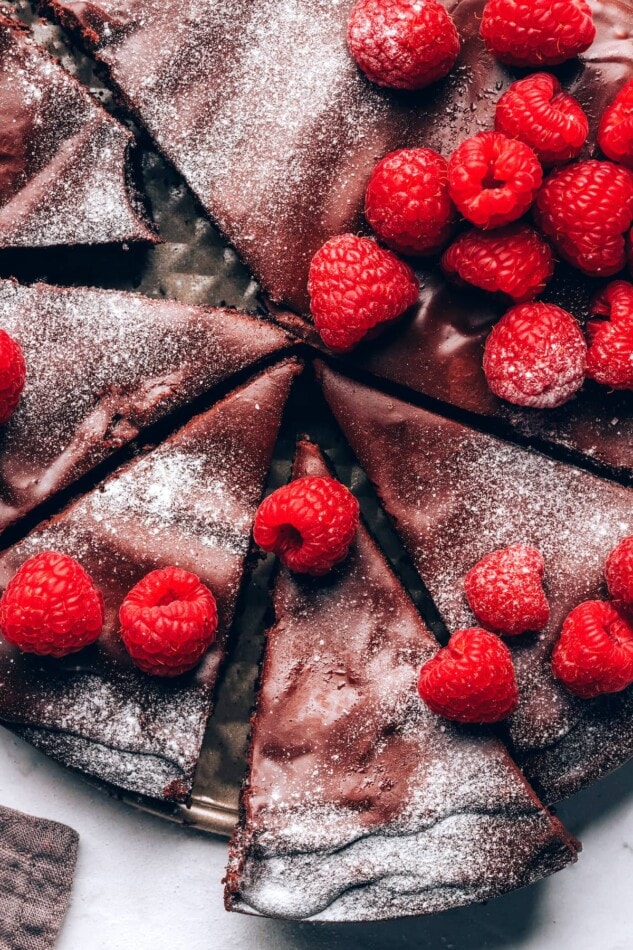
102,365
360,803
65,176
281,74
189,503
458,494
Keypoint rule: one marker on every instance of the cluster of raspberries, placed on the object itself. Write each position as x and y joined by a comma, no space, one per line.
472,679
51,607
470,208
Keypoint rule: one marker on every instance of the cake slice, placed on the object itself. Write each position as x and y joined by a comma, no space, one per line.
101,365
360,804
212,81
457,494
64,162
190,503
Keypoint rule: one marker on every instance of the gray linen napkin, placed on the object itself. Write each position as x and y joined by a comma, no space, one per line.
37,865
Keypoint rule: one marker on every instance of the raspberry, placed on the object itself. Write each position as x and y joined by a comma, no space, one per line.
535,356
309,524
51,606
505,590
610,354
594,654
492,179
537,32
355,285
470,680
404,44
168,621
536,111
619,572
12,376
615,135
407,202
586,209
514,261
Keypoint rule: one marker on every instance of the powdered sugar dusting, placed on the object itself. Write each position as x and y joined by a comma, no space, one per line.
100,365
64,175
358,795
189,503
457,495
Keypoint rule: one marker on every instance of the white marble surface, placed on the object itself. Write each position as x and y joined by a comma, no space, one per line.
143,884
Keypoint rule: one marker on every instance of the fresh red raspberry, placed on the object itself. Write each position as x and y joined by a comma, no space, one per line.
594,654
470,680
505,590
537,32
309,524
610,354
51,606
168,621
407,202
619,572
536,111
12,376
403,44
492,179
535,356
615,135
586,209
515,261
355,285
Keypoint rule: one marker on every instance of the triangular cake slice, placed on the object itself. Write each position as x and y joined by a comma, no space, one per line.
360,804
64,162
457,494
211,83
101,365
190,502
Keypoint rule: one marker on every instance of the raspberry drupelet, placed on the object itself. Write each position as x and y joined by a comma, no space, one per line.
51,606
586,209
493,180
471,680
538,112
535,356
610,353
12,375
407,201
309,524
537,32
168,621
615,135
515,261
505,590
354,286
403,44
594,654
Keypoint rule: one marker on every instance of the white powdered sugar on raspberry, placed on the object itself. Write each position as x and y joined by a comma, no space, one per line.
65,178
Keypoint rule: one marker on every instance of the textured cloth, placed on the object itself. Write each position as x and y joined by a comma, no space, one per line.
37,864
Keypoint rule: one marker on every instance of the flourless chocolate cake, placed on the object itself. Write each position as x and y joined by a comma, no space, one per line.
101,366
360,803
188,503
65,176
280,73
457,494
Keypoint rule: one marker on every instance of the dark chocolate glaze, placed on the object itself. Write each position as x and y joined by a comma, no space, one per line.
64,175
102,365
360,803
279,141
190,503
457,494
